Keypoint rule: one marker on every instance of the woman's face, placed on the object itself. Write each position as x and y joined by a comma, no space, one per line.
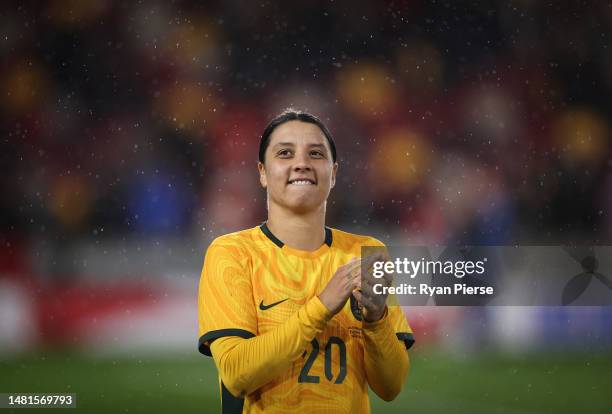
299,171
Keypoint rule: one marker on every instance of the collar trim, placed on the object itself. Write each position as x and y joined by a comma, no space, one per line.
265,230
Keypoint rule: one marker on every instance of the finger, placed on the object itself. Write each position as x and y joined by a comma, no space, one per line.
370,303
356,281
367,285
369,261
356,270
368,265
353,276
367,292
353,264
347,270
366,300
388,279
369,282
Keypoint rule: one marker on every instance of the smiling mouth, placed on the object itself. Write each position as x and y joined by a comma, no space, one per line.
302,181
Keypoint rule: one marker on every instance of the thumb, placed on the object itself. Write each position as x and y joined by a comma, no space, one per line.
358,296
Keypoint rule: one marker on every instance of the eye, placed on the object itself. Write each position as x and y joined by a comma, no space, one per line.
317,154
284,153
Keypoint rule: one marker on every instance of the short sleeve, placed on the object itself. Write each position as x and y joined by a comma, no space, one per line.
225,295
402,329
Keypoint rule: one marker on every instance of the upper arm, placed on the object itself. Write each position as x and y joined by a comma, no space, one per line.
225,296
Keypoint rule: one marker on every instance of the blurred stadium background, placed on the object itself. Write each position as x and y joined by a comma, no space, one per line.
129,141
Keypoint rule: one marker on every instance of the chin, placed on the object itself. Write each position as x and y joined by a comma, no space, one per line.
304,205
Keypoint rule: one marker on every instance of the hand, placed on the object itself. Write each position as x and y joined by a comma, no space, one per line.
373,305
345,281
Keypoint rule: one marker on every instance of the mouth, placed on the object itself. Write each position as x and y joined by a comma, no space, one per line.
301,181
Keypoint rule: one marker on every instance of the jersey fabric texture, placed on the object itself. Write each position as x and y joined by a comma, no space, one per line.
253,287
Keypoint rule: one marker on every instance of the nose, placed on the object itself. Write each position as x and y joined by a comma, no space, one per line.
302,162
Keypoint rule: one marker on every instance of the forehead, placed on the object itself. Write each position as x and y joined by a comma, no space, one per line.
298,133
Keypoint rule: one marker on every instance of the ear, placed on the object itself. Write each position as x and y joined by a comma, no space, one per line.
333,175
262,174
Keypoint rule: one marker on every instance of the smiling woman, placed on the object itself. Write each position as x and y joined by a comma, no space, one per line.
299,172
274,304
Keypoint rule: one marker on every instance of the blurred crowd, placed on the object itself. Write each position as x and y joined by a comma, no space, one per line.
479,122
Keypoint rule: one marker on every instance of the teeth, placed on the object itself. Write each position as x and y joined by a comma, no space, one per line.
301,182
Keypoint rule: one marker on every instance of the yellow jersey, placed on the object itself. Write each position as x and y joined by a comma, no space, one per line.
252,283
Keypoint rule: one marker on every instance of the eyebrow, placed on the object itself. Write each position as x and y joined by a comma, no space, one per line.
317,146
291,144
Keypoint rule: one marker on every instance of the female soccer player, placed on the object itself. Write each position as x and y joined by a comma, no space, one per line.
280,305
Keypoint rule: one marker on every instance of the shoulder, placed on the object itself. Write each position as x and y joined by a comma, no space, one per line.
238,243
237,237
351,241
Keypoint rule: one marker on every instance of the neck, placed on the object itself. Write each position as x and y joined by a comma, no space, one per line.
299,231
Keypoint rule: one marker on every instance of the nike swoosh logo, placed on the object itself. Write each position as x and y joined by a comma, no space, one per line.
271,305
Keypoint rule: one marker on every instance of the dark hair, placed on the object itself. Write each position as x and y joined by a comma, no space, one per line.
291,114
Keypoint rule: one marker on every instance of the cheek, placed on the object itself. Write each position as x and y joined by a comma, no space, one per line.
276,177
326,177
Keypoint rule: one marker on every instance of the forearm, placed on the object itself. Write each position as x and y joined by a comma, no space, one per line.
246,364
386,359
